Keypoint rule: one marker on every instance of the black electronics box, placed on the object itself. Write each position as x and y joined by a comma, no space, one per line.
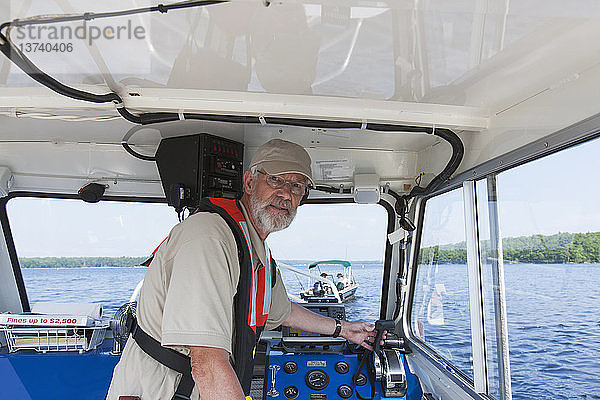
201,165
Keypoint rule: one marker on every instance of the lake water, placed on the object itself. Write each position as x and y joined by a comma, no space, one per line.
553,317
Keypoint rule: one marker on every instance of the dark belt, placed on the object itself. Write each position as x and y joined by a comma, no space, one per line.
168,357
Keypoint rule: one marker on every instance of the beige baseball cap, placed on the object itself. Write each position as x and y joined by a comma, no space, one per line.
282,157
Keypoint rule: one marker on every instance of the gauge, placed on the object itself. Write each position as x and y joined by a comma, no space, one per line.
290,367
291,392
342,367
361,380
317,379
344,391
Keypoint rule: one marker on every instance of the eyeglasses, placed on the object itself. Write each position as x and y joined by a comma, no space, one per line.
276,182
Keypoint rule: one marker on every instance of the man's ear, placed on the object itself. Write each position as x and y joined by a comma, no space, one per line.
248,182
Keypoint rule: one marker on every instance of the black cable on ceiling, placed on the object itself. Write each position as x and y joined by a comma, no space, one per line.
89,16
125,144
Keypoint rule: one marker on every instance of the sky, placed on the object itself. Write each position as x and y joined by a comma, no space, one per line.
558,193
555,194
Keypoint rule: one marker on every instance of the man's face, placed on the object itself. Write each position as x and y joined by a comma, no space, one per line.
273,209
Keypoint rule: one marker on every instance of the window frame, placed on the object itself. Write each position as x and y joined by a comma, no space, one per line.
8,238
388,252
458,376
16,267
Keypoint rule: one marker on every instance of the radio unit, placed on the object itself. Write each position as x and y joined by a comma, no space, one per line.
200,165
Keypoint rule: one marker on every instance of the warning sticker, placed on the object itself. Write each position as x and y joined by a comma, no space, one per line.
333,169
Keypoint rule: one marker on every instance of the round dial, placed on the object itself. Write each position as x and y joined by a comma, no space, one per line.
344,391
317,379
342,367
291,392
290,367
361,380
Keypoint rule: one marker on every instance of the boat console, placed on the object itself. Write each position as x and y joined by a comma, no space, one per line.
301,365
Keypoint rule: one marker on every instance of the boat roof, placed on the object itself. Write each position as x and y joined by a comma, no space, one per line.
499,74
345,264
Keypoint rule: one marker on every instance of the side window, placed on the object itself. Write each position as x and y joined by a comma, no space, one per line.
529,323
550,226
440,309
72,251
348,232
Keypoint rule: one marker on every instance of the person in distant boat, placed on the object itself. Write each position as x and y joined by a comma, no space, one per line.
320,287
212,287
340,284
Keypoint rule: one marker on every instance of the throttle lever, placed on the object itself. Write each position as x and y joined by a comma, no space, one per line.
382,325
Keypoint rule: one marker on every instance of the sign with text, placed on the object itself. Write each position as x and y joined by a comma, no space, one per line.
45,320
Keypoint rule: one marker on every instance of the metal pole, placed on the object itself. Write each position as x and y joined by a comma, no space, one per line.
475,288
499,288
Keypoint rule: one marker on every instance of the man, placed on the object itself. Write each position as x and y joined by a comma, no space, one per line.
192,299
340,282
320,287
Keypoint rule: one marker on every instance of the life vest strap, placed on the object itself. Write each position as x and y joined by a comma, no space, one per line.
248,329
168,357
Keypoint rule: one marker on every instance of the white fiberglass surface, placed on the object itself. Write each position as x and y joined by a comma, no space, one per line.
432,52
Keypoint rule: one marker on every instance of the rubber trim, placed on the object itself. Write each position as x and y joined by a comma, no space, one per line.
387,259
12,253
46,195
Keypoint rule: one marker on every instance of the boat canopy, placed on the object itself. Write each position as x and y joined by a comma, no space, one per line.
346,264
498,76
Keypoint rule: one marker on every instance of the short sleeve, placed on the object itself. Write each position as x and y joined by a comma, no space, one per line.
198,308
281,307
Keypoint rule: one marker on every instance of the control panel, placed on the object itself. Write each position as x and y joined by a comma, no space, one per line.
312,376
291,373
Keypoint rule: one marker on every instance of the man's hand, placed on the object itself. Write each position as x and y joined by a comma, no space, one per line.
357,332
360,333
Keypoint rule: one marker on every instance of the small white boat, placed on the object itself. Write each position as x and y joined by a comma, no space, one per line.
324,287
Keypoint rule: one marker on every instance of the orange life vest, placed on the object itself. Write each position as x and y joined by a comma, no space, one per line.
251,303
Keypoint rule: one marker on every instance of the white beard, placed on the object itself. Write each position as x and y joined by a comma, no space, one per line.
270,222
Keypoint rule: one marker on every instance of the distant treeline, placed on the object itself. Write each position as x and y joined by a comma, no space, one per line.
561,248
74,262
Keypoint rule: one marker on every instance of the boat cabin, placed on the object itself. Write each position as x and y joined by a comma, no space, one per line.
453,144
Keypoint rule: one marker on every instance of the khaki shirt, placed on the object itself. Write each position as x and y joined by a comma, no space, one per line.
187,300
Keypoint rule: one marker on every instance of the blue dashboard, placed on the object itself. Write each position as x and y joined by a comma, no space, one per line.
326,371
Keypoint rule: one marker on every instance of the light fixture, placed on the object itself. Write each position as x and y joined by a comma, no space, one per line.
366,188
